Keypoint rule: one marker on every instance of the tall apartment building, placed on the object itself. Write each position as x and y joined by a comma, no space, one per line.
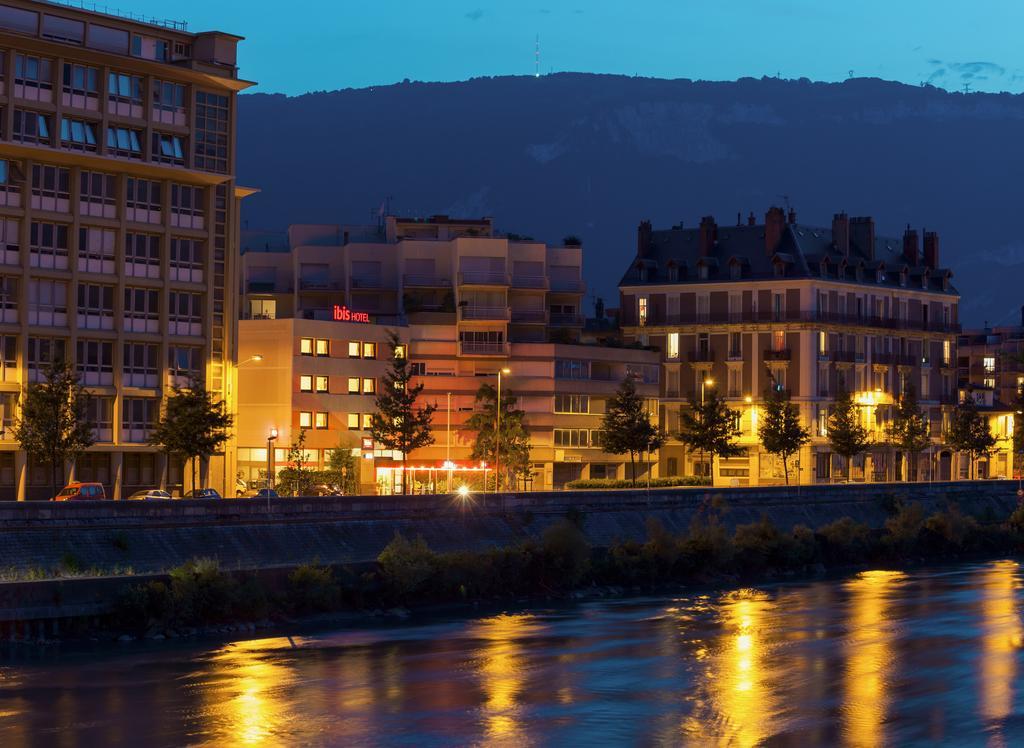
805,309
118,215
470,302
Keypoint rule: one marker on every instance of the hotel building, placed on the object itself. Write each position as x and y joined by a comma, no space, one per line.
118,228
470,302
805,309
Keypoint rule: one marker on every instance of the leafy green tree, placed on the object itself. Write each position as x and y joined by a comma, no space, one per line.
780,430
908,431
345,465
847,436
513,440
194,425
298,478
626,426
969,432
52,427
398,424
711,428
1018,431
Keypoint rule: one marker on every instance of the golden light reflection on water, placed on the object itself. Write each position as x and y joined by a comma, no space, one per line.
869,656
740,707
502,674
1001,636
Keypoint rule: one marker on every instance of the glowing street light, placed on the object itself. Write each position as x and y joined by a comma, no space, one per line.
709,382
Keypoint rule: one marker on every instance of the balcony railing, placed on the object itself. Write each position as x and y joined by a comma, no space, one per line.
529,281
474,348
768,316
319,284
369,281
570,320
568,286
482,278
847,357
781,354
425,281
536,316
261,286
496,313
700,356
894,359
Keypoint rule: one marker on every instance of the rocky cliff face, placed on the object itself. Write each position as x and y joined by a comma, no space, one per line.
592,155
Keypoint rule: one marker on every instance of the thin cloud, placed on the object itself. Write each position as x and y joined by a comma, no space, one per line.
476,14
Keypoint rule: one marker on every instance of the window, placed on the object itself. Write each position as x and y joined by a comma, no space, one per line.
95,307
41,353
211,132
142,255
187,206
642,311
167,149
33,78
99,413
81,86
369,385
322,384
822,343
124,94
8,299
140,365
353,420
946,353
31,127
989,382
51,188
367,419
399,351
305,346
96,250
353,349
185,313
96,194
138,416
305,419
572,403
305,383
141,310
94,362
572,438
672,350
369,350
320,420
988,363
47,302
571,369
124,142
78,135
323,347
149,48
9,363
184,363
778,340
142,200
168,103
262,308
735,345
186,261
353,385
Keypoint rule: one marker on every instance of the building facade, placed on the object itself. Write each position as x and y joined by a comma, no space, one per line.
118,210
804,309
470,302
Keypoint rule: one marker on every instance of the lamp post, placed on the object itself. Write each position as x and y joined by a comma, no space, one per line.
271,438
448,444
707,382
497,433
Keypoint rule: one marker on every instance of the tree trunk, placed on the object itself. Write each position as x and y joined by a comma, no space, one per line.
785,468
632,469
195,459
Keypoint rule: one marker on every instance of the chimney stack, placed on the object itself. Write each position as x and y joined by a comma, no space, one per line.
862,235
708,233
931,249
911,251
643,239
751,219
841,233
774,225
792,216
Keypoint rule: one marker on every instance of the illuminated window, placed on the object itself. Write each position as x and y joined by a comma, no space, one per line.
572,403
321,384
673,345
989,382
353,349
305,419
988,363
353,420
323,347
367,420
306,346
778,340
353,385
320,420
369,385
399,351
946,353
305,383
369,350
822,343
642,310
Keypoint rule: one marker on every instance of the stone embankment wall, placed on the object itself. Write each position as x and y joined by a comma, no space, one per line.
151,537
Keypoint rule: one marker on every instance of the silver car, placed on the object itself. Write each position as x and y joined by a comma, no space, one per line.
152,493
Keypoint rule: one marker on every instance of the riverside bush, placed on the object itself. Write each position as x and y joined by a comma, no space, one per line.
202,593
903,529
762,545
407,566
950,529
597,483
312,588
566,554
846,541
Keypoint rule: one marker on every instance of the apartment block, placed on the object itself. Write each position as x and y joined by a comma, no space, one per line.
118,227
808,310
470,301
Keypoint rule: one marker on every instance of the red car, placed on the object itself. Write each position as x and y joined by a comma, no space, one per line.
77,491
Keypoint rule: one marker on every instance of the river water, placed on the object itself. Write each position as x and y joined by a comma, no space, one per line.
878,658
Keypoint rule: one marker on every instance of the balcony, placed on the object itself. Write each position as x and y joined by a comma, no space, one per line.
483,278
567,320
894,359
568,286
260,286
529,281
530,316
706,357
474,348
319,284
734,356
484,313
369,281
769,316
844,357
781,354
425,281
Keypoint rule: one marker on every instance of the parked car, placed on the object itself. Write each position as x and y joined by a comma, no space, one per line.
150,493
202,493
266,493
77,491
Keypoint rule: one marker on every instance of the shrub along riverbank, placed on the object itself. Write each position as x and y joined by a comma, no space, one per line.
409,573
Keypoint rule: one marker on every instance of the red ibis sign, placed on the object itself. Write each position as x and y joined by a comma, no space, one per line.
344,314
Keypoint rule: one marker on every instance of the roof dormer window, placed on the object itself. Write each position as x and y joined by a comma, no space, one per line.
702,272
673,272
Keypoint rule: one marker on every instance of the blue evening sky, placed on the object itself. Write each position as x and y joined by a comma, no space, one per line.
305,45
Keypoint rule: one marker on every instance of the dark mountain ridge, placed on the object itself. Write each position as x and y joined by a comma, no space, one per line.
593,155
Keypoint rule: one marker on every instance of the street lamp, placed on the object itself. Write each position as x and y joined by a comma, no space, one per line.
497,433
271,438
709,382
255,357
